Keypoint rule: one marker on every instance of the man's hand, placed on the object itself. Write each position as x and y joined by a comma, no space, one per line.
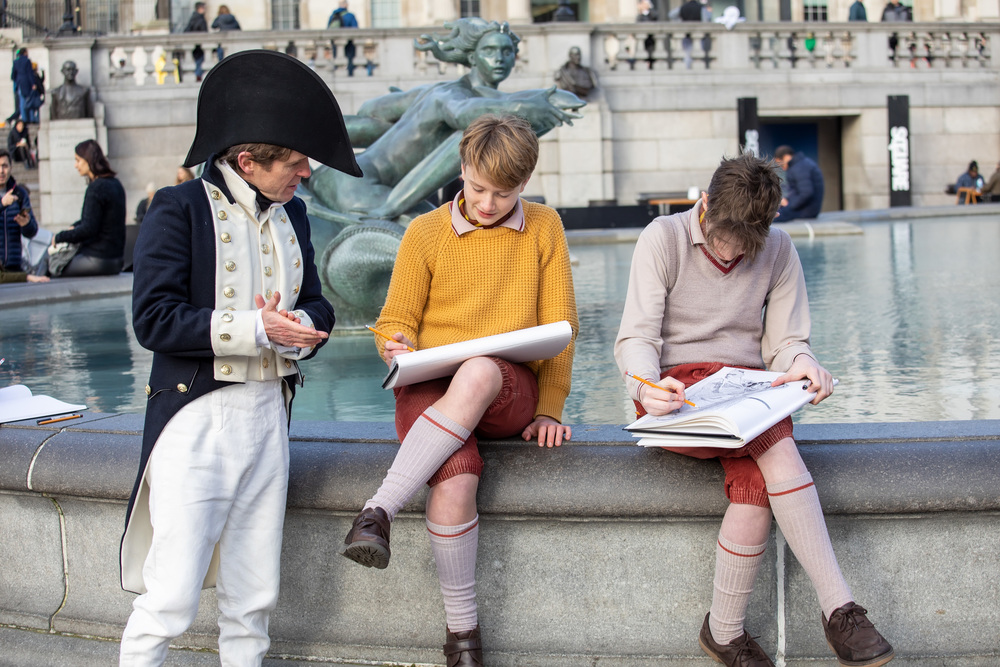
283,327
805,367
8,198
22,218
399,344
668,398
550,432
784,202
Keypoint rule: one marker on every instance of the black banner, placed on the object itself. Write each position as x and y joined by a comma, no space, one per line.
749,125
899,150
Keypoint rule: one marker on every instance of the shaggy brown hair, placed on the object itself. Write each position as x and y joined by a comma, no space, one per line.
263,154
743,196
503,149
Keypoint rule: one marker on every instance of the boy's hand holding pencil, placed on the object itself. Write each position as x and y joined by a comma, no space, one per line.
395,344
668,394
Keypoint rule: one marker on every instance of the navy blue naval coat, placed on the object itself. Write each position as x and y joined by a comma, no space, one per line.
174,295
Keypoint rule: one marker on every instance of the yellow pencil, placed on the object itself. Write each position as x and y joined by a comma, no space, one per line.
647,382
376,331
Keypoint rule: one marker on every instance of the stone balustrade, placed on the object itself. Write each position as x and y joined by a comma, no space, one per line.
131,60
599,552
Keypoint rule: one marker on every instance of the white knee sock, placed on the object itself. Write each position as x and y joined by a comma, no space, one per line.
429,443
736,568
796,508
454,549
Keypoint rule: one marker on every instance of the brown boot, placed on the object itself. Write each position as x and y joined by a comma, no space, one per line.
854,639
741,652
367,542
464,649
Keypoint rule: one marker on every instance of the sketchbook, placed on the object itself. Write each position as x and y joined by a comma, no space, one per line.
734,406
531,344
17,402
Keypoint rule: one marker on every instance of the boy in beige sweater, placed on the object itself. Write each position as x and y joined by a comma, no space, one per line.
700,281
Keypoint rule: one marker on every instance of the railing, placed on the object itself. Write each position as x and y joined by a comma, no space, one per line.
613,49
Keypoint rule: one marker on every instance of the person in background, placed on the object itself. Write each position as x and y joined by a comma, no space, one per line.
183,175
341,18
991,189
197,23
517,251
100,231
895,12
19,144
140,210
24,81
224,22
37,97
673,334
803,183
18,220
970,178
646,12
857,12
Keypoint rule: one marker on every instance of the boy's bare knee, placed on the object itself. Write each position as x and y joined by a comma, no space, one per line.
478,376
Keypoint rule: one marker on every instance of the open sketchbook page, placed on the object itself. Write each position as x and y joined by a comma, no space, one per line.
531,344
17,402
733,407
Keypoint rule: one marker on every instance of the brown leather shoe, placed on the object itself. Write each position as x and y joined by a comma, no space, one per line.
368,540
741,652
464,649
854,639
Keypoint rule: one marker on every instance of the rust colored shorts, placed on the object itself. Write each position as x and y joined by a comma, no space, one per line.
744,482
509,413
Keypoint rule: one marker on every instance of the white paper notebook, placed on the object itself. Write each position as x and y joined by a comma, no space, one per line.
531,344
17,403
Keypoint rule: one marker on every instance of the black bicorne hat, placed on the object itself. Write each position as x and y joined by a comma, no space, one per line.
268,97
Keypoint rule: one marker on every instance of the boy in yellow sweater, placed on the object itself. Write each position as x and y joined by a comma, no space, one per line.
486,263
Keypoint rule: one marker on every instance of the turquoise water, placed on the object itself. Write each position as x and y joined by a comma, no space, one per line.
906,316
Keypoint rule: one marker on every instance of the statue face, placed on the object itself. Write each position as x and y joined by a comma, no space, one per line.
494,58
575,56
69,71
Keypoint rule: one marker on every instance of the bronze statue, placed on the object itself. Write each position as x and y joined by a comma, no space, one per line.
70,100
412,142
576,77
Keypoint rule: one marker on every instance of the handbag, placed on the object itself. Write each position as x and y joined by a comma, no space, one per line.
60,256
34,249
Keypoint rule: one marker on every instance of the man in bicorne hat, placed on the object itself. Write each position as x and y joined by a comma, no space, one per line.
227,296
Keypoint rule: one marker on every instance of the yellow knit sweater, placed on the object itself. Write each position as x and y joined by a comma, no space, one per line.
447,289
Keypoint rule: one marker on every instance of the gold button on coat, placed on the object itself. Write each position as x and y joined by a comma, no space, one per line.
226,238
230,265
226,369
266,249
216,195
229,292
227,317
268,294
295,290
182,388
149,390
284,219
267,271
222,215
291,239
288,364
298,263
224,337
264,362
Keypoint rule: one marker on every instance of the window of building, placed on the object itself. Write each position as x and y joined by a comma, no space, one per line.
468,8
386,14
814,11
542,11
285,15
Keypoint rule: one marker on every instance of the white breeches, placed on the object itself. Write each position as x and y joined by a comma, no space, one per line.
217,475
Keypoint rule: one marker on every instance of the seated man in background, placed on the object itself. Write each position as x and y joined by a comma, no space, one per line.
991,191
804,185
969,179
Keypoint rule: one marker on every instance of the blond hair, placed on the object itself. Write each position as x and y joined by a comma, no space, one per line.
503,149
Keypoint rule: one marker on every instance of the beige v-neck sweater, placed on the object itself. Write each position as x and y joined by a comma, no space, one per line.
682,307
